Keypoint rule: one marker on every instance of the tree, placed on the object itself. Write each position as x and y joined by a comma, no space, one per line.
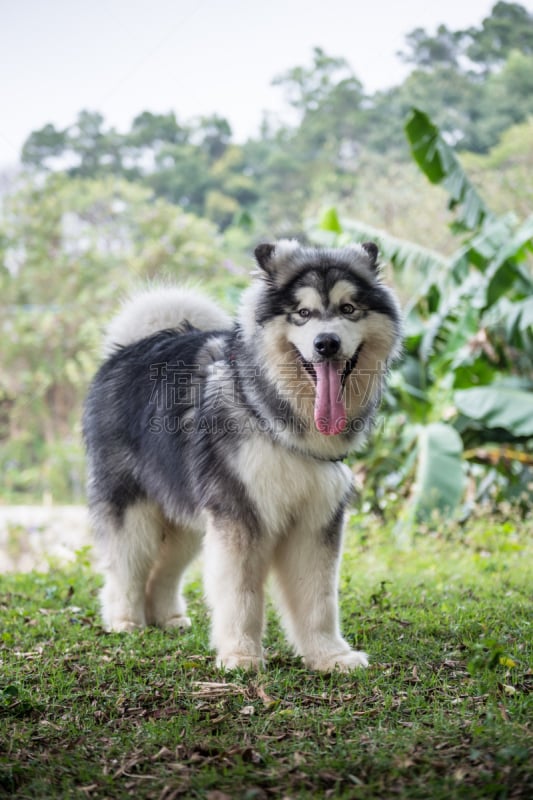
306,88
448,95
85,148
43,146
213,134
507,98
71,248
508,28
474,84
153,130
504,174
427,51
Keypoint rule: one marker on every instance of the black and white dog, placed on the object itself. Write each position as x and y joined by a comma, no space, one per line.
203,431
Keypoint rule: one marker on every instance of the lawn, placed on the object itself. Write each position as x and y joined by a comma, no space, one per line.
444,711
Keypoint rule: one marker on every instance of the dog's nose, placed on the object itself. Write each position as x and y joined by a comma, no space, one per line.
327,344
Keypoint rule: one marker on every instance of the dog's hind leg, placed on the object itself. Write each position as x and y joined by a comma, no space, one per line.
165,604
306,564
128,550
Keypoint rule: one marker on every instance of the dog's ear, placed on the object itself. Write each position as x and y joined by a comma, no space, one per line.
263,255
277,259
372,251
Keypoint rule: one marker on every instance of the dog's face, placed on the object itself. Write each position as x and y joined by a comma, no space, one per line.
326,312
325,315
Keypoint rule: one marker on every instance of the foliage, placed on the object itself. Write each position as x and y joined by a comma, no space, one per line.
97,209
508,28
444,710
71,248
504,174
468,326
475,84
180,163
464,390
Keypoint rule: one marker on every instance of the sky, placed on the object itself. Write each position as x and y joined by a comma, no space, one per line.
194,57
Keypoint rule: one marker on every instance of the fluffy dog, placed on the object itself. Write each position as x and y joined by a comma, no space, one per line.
205,431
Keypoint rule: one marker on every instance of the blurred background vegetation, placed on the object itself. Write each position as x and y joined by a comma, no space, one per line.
93,212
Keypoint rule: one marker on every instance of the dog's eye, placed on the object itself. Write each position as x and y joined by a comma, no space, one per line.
304,313
347,309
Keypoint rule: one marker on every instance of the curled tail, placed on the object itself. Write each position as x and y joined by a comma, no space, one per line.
159,308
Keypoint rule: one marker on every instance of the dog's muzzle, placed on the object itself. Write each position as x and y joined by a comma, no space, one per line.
327,344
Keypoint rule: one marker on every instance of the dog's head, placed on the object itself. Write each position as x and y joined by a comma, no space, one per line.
326,311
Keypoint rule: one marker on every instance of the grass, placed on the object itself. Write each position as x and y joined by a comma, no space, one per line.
443,712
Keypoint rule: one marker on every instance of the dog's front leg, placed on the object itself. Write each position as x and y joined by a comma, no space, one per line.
235,571
306,567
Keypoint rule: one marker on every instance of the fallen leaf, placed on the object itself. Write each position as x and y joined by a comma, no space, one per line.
214,689
268,701
505,661
503,712
507,689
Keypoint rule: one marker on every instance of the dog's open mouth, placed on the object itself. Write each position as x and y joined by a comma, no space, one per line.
329,378
349,367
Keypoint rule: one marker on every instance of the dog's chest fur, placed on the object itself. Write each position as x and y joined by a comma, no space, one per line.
289,489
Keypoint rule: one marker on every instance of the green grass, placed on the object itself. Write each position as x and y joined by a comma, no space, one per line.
443,712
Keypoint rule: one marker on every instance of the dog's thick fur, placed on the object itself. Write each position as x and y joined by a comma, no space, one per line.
202,430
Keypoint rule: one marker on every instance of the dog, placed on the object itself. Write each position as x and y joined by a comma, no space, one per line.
229,435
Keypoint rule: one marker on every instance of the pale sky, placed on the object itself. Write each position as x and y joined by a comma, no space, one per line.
195,57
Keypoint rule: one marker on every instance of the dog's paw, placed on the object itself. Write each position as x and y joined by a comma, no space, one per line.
239,661
123,626
352,660
342,662
177,622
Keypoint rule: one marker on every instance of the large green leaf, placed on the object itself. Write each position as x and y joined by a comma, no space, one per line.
330,221
440,164
455,320
518,318
498,407
439,474
424,140
492,241
505,268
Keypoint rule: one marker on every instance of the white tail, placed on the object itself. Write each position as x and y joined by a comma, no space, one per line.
158,308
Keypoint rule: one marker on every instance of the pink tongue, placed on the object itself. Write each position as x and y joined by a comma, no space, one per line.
330,413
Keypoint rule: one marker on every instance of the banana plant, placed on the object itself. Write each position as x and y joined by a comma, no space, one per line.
463,395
